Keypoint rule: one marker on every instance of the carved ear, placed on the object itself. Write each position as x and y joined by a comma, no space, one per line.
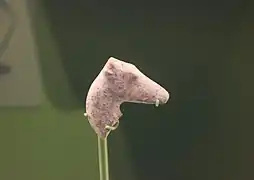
110,68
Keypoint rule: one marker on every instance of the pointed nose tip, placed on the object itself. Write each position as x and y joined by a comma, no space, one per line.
164,97
167,97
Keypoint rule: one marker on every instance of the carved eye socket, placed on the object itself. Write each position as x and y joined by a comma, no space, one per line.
132,77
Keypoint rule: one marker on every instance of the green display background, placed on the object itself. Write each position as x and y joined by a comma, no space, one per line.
202,52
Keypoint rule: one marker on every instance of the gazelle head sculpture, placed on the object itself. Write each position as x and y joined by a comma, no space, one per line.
119,82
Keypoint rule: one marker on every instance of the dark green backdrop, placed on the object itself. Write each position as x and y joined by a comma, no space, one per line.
201,51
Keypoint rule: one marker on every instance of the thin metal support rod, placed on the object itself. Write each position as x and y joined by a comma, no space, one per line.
103,158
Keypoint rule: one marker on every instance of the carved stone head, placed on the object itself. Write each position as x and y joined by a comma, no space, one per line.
119,82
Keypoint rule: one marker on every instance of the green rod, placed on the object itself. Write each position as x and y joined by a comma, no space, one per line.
103,158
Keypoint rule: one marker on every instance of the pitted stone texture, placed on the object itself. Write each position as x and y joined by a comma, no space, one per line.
119,82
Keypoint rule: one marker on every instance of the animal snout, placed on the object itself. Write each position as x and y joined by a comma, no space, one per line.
162,96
